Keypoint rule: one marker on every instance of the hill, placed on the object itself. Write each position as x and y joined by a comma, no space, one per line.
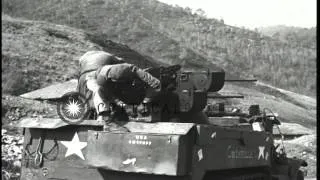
177,36
305,37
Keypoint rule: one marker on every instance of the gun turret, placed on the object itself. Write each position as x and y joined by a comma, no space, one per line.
183,92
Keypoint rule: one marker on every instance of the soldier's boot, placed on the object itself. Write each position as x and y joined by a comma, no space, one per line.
100,119
103,116
101,107
103,113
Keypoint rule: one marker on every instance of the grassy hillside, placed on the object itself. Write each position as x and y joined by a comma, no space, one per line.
175,35
294,35
106,20
37,54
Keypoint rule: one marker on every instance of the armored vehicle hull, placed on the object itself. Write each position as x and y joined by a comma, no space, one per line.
149,150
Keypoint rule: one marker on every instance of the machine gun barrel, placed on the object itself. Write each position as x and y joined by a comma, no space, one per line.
221,96
224,97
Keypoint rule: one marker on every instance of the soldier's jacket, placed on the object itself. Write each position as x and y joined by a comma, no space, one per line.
122,75
125,81
125,73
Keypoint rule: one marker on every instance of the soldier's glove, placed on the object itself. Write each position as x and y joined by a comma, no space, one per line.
120,103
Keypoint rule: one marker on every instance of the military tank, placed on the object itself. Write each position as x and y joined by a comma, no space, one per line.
176,135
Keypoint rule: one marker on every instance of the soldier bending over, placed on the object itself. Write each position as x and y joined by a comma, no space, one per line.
105,75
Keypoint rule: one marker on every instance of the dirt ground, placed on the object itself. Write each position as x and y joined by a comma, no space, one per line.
304,147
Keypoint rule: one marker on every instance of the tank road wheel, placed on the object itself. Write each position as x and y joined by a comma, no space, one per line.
73,108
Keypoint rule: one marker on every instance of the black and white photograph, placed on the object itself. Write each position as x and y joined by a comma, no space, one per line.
159,89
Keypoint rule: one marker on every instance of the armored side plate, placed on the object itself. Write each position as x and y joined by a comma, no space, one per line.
157,152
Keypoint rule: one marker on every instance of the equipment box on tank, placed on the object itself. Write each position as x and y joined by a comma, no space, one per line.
161,148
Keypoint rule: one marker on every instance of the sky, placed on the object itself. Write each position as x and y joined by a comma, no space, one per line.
256,13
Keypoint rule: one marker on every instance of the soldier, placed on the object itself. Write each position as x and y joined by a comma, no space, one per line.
106,88
89,63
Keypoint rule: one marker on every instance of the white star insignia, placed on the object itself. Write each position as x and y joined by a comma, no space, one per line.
74,146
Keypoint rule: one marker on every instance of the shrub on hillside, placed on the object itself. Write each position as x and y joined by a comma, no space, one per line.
13,83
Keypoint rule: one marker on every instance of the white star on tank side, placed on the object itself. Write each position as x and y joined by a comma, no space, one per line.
74,146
